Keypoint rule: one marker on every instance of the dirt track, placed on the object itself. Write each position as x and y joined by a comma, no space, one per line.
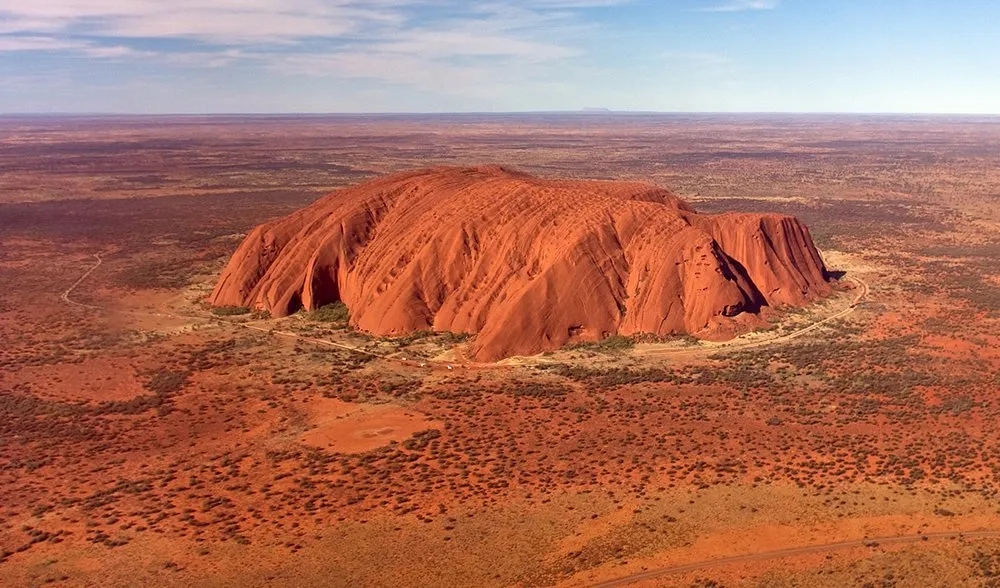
712,348
66,298
737,344
791,552
86,274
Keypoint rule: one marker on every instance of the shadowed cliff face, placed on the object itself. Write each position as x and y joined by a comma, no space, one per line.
526,264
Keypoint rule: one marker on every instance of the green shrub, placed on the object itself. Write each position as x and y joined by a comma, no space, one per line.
443,337
453,338
421,439
413,337
230,310
336,312
612,343
165,382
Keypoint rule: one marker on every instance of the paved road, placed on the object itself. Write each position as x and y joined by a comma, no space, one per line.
791,552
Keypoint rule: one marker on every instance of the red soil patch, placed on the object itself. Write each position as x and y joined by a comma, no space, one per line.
951,346
95,380
344,427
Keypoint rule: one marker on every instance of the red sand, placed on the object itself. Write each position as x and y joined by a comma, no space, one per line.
343,427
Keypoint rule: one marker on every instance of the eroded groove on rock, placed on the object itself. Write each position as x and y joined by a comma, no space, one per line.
524,263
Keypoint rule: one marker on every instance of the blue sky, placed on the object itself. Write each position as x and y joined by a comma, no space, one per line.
205,56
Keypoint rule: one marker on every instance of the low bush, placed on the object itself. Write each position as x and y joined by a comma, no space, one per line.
230,310
612,343
336,312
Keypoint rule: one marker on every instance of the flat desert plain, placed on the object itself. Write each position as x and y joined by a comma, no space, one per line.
148,438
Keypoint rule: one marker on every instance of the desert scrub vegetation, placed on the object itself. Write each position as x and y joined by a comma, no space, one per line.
421,439
163,384
612,343
538,390
165,381
170,274
230,310
453,338
440,337
613,377
680,338
336,312
350,388
446,337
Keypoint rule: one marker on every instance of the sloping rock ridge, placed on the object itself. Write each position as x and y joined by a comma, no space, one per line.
526,264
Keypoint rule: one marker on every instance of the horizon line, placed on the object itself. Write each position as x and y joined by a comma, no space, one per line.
582,112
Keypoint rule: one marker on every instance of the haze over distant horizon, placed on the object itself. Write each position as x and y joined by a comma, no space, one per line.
276,56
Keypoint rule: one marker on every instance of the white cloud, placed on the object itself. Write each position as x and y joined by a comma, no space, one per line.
251,21
215,21
114,51
11,43
37,43
531,30
443,44
743,5
455,46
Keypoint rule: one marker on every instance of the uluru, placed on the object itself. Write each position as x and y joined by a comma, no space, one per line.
525,264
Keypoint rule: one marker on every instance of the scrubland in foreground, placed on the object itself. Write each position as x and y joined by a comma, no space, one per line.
145,438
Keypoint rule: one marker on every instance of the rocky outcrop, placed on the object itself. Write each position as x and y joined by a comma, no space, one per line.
524,263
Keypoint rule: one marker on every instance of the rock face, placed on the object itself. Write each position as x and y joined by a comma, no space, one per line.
524,263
